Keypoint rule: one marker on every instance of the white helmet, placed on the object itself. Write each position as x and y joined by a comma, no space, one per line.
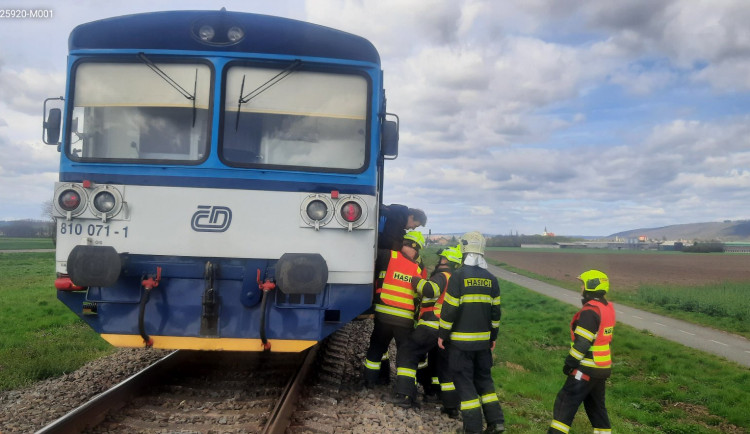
472,242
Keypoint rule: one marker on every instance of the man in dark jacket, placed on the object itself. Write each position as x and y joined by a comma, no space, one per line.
398,220
589,361
469,323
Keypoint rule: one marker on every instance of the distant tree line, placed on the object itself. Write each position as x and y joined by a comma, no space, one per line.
516,240
705,247
27,228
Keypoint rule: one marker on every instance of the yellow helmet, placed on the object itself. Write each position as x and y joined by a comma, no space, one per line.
594,280
414,239
472,242
452,254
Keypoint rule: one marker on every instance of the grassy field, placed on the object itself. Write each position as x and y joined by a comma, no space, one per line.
657,386
25,243
41,338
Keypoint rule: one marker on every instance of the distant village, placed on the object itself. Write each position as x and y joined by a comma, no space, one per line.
548,240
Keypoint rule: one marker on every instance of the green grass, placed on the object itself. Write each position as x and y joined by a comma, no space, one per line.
657,386
40,337
724,306
7,243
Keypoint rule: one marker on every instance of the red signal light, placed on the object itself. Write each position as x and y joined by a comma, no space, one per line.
69,200
351,211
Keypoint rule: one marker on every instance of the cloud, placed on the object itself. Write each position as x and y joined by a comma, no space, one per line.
25,90
581,116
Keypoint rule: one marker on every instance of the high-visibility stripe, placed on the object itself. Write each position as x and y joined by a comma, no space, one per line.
480,336
576,354
496,301
495,324
446,387
431,324
394,311
394,300
375,366
386,356
435,381
559,426
423,364
592,364
602,430
406,372
490,397
445,324
582,332
468,405
453,301
476,298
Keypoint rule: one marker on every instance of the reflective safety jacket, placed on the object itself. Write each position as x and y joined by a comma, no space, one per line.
591,331
431,292
470,314
395,297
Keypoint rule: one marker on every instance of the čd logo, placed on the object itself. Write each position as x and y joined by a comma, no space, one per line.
211,219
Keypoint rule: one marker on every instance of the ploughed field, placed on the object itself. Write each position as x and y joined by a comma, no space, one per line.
628,270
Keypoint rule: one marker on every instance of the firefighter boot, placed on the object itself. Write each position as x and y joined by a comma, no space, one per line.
403,401
495,428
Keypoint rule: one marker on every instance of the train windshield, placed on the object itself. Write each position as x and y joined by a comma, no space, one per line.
300,119
140,112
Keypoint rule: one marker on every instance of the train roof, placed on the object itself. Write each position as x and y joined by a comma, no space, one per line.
264,34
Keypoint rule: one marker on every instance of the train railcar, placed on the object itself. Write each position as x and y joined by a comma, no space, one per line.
220,179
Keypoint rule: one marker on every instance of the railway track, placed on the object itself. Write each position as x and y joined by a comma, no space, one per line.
198,392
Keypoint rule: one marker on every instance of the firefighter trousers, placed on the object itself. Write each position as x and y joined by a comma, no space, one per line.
570,397
421,341
380,340
471,372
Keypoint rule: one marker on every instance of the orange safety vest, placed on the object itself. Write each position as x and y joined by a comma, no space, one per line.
396,288
600,351
438,305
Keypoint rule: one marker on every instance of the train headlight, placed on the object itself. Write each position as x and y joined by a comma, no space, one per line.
70,200
316,210
351,211
206,33
235,33
106,202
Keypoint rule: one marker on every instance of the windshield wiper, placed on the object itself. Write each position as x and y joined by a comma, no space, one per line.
173,83
244,99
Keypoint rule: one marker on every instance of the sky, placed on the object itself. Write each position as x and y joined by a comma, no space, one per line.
580,117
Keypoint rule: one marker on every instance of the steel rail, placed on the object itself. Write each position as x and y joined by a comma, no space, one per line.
94,411
281,415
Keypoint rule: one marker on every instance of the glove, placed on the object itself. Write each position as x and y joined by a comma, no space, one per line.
567,369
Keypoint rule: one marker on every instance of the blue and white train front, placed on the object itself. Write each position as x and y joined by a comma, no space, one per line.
184,268
227,219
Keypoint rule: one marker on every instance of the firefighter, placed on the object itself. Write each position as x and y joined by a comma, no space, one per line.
469,323
394,304
423,340
589,362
